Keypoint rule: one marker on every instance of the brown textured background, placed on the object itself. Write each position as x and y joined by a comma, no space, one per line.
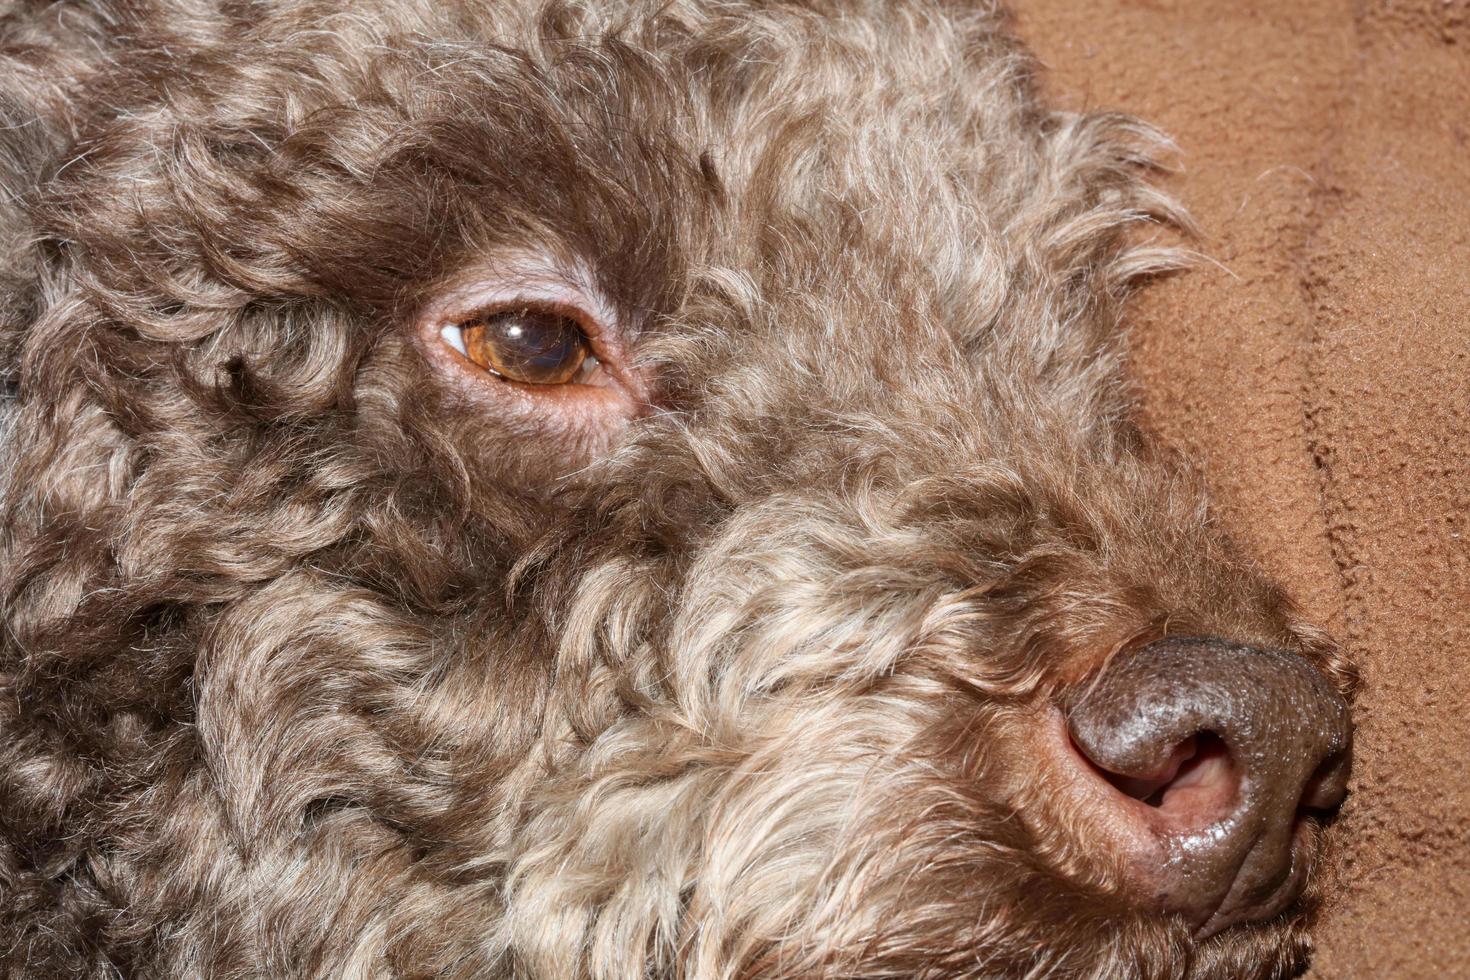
1321,374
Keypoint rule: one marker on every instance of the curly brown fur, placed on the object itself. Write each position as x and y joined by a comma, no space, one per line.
311,669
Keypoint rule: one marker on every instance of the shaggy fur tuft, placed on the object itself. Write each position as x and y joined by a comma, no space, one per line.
312,668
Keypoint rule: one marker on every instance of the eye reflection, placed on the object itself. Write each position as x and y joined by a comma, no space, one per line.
539,347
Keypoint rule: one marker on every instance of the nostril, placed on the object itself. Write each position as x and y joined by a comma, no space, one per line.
1197,784
1150,788
1208,783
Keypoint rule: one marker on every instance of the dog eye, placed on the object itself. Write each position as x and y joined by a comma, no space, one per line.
532,346
537,346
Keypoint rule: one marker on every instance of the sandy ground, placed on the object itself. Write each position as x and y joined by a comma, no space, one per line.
1321,374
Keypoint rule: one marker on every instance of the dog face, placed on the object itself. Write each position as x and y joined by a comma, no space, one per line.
580,489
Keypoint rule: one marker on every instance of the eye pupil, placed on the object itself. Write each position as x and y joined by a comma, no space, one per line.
527,345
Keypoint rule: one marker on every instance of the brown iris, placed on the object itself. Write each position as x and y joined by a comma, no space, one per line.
538,347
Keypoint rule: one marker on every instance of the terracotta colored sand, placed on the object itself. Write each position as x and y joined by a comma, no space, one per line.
1324,379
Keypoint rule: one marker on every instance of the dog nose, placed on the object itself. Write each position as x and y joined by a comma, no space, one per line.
1216,751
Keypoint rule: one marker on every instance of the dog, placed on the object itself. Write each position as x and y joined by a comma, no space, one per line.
603,489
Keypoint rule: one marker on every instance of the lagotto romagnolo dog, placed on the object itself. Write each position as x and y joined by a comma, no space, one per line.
604,489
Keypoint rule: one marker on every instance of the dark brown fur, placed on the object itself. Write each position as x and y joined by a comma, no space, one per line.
311,668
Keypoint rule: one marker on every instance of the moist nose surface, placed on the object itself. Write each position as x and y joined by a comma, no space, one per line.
1230,743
